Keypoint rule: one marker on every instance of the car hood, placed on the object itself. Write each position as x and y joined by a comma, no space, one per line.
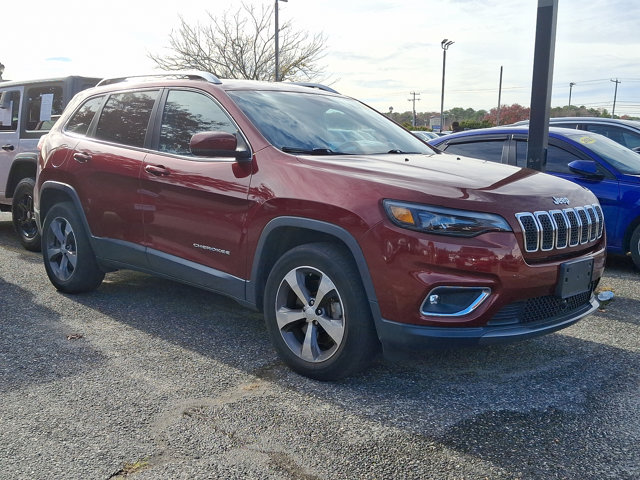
455,181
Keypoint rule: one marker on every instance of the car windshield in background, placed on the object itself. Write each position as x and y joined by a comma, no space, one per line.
324,125
625,160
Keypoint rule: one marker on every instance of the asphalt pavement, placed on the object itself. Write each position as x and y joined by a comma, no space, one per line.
149,379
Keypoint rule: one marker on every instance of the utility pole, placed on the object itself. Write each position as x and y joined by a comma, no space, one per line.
571,84
499,97
277,43
615,94
414,100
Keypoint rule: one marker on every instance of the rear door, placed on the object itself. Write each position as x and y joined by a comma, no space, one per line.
195,207
107,162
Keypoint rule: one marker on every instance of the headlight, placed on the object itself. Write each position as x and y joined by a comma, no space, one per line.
443,221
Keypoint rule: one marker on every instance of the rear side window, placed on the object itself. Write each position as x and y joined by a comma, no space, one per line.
485,150
187,113
80,121
125,117
44,106
9,115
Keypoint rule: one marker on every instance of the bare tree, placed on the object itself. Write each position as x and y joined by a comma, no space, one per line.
242,45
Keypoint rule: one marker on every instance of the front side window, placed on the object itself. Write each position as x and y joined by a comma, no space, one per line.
558,159
9,111
80,121
187,113
484,150
44,107
125,117
625,160
310,123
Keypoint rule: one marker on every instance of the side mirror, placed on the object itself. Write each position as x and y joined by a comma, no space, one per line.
217,144
586,168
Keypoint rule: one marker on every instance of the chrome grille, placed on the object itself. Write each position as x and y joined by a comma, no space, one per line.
557,229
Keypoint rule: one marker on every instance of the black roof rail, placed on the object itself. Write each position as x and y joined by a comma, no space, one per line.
190,74
319,86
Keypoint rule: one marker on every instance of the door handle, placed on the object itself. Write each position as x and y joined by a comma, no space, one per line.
8,147
81,157
157,170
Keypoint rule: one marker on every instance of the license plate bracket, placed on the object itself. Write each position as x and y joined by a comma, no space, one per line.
575,278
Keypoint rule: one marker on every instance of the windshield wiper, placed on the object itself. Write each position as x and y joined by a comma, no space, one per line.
311,151
404,153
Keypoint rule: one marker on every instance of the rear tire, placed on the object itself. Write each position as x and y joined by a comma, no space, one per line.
24,221
68,257
317,313
635,246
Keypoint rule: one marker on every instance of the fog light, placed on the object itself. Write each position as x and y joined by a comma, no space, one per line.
453,301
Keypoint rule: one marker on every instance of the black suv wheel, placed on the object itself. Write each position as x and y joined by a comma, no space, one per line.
22,213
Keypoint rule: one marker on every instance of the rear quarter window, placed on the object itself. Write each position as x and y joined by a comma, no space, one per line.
80,121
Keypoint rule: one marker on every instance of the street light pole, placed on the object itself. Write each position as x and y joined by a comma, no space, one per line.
277,44
571,84
445,44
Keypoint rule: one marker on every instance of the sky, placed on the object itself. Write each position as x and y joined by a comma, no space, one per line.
379,51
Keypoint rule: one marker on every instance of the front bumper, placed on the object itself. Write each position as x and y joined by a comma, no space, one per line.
406,337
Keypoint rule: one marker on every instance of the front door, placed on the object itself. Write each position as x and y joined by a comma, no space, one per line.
195,207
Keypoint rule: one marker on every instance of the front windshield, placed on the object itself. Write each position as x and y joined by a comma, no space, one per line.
625,160
309,123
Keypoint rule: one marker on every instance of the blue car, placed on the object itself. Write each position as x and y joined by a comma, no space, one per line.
609,170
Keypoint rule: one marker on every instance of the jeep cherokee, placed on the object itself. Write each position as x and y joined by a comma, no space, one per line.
348,232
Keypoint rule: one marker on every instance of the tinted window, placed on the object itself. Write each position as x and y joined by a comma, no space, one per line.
187,113
9,115
558,159
485,150
44,106
80,121
125,117
624,137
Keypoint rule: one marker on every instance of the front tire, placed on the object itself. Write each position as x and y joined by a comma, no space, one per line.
68,257
317,313
24,221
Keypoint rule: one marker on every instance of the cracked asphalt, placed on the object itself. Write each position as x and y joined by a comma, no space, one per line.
149,379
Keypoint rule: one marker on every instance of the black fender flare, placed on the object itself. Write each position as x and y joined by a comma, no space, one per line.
253,289
24,165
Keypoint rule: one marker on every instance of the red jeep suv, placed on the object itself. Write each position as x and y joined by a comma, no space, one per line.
348,232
